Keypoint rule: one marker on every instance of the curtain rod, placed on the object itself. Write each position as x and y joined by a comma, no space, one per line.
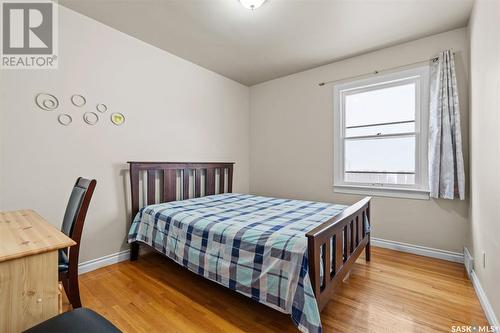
433,59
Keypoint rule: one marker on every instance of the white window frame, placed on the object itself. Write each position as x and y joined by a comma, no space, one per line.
419,190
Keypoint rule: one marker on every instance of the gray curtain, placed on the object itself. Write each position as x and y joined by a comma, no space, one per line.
446,164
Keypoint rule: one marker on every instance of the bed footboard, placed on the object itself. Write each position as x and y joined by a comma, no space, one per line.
335,245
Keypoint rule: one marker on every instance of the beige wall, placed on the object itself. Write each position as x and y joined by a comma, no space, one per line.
291,143
175,110
290,137
485,146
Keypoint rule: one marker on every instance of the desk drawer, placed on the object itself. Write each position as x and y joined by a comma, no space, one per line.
28,291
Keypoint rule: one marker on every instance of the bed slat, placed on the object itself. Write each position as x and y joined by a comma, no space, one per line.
353,235
359,231
339,256
185,184
151,187
169,185
346,243
230,179
221,180
327,263
210,182
134,189
197,183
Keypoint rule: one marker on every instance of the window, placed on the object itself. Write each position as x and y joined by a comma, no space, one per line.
380,143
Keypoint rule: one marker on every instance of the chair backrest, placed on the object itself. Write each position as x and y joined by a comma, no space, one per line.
76,210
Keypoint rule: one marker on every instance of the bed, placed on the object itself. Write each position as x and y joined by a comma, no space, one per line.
287,254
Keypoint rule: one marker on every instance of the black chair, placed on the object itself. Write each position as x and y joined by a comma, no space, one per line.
72,226
81,320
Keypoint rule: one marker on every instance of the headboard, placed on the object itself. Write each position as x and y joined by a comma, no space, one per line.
170,181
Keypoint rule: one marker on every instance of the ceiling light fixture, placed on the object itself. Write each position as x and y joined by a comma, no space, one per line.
252,4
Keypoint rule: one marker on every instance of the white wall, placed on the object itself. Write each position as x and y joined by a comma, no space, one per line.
485,145
175,111
291,143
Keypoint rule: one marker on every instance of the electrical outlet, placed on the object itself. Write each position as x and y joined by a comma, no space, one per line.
484,259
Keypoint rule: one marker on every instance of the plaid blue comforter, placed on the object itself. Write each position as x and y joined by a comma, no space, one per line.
252,244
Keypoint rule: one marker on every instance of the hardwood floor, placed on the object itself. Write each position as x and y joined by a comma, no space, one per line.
395,292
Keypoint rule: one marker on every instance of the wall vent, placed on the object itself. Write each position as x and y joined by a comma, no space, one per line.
468,261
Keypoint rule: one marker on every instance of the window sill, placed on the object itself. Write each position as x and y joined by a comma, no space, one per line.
407,193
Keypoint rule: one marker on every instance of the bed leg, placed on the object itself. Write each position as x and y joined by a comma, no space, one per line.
134,251
368,249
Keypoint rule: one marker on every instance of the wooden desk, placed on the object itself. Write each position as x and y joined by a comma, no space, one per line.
28,269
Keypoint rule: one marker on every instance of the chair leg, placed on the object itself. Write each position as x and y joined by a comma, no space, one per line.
65,283
74,290
368,250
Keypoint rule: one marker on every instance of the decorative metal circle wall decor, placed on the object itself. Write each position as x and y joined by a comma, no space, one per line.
47,102
101,108
90,118
64,119
78,100
117,118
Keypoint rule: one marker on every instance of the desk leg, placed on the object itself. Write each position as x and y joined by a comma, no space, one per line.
28,291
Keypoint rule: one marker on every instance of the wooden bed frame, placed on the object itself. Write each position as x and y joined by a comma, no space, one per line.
343,237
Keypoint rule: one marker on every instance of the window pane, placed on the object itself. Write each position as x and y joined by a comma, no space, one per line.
381,105
392,155
380,178
381,129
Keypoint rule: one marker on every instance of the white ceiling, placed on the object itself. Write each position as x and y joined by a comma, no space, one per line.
280,38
